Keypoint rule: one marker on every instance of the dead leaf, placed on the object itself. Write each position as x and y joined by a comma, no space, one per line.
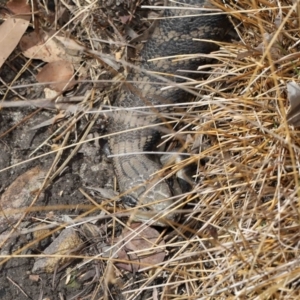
13,28
50,47
19,195
19,7
275,50
71,46
125,19
59,73
141,247
293,94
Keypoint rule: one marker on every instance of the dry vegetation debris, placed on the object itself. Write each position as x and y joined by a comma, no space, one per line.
239,237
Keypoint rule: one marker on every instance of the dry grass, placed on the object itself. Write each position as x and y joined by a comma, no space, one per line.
247,247
239,239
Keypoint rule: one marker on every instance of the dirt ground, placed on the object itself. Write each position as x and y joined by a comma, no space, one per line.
88,168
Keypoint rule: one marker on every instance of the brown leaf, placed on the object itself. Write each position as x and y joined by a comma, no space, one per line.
19,7
125,19
50,47
33,46
141,247
20,194
275,50
29,40
59,73
293,93
12,30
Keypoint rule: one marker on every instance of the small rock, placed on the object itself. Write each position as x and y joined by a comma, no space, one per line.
66,243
